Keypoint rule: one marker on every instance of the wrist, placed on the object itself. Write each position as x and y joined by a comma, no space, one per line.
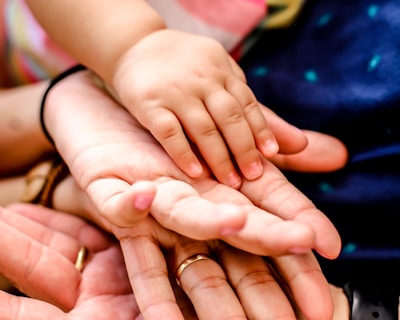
108,76
52,84
135,22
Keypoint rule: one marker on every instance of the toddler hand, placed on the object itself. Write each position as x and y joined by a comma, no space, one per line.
192,96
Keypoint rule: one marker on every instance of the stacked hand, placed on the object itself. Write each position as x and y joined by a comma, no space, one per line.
40,247
108,151
43,268
199,96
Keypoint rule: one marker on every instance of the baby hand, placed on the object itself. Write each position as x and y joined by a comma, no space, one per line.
193,98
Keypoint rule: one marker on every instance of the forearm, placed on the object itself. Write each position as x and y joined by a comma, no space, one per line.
22,141
96,33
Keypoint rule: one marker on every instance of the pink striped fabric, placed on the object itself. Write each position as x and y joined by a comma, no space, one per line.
234,16
228,21
32,56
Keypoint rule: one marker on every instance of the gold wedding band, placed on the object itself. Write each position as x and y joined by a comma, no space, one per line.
81,257
186,263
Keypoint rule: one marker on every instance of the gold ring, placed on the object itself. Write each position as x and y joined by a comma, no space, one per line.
81,257
187,262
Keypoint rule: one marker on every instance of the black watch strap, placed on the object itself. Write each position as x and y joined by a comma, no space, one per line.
371,302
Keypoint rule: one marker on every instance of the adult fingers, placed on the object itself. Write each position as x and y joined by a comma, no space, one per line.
323,153
64,244
20,308
290,138
147,271
30,267
304,150
178,207
260,294
203,282
303,280
275,194
72,229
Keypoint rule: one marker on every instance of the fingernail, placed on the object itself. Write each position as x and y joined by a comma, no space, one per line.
143,201
270,147
234,180
229,231
195,170
254,170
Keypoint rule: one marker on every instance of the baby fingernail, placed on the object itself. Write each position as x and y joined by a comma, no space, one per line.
270,147
254,170
195,170
234,180
229,231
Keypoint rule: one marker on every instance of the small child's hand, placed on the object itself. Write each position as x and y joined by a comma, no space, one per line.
186,89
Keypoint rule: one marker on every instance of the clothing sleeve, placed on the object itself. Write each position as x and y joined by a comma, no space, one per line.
227,21
236,24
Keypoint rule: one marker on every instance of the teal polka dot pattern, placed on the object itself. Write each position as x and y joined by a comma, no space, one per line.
325,187
373,10
373,63
261,71
337,71
349,247
311,76
324,19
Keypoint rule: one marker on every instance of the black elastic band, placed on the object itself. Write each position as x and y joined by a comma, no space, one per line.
53,82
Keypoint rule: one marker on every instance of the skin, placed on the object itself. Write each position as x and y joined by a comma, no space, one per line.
91,135
184,88
19,127
46,235
138,233
48,243
177,195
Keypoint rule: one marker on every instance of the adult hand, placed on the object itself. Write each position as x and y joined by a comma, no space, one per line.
145,243
108,151
52,239
40,263
125,152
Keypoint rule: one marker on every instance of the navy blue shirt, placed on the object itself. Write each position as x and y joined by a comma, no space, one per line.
337,70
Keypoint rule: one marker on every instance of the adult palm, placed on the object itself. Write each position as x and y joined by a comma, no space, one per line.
43,245
108,151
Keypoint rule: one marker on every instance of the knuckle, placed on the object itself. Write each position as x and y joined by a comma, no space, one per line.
165,128
31,261
233,116
250,106
210,282
254,279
